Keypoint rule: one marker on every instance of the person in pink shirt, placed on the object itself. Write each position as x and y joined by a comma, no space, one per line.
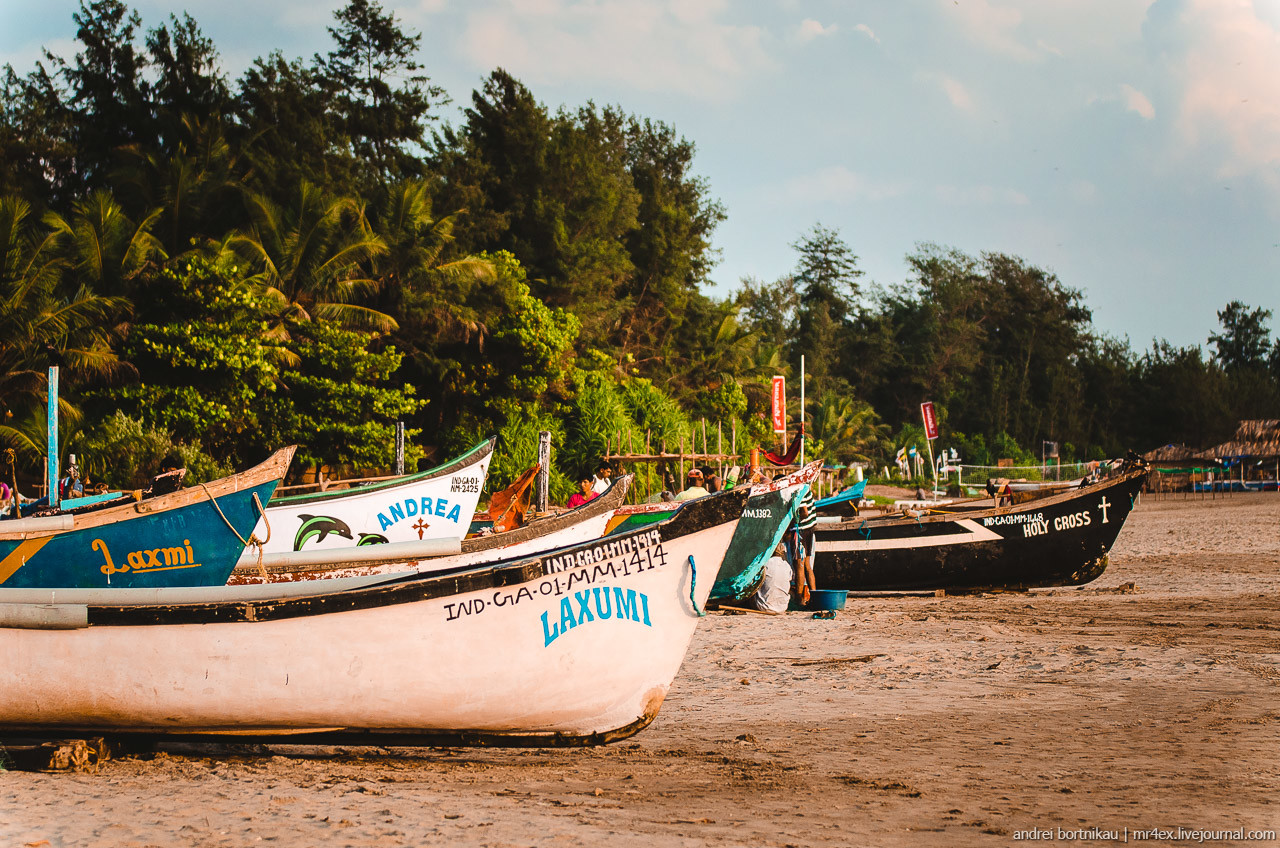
584,494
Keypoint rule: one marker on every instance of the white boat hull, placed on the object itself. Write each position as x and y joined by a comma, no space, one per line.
433,505
581,646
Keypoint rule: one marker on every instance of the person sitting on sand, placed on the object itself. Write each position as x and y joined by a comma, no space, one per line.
774,594
583,494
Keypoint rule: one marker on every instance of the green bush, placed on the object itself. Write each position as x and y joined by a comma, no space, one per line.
120,452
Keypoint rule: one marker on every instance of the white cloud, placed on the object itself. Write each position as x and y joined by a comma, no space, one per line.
980,195
811,29
957,94
1231,91
866,30
1136,101
684,47
1048,48
995,27
1083,191
1027,31
835,184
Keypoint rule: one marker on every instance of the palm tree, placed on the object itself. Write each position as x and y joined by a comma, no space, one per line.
106,249
43,321
846,429
415,284
313,258
194,185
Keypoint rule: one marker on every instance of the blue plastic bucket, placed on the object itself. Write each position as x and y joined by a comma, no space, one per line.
827,599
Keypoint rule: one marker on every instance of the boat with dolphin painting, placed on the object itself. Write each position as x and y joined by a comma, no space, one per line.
188,537
578,646
769,512
434,504
1055,539
569,527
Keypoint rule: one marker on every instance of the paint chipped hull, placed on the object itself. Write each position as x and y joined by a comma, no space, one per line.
433,504
178,539
1059,540
575,647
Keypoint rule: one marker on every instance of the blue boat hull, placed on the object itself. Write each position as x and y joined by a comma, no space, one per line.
179,539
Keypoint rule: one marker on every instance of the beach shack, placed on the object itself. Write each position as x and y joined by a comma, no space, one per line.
1250,461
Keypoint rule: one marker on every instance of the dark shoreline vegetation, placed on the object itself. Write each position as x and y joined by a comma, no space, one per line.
309,254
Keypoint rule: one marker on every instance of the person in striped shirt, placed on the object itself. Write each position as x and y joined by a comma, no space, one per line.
806,520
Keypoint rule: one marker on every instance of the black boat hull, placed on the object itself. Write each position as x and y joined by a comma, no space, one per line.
1061,540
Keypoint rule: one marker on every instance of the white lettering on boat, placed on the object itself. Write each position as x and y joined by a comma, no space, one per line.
1071,522
1020,518
601,553
1035,528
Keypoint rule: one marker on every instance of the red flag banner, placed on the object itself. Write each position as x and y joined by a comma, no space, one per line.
779,404
930,420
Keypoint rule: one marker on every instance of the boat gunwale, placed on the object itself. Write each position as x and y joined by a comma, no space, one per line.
692,517
801,475
484,449
270,469
607,502
976,513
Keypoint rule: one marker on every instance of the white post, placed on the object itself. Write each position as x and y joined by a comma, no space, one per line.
399,448
544,470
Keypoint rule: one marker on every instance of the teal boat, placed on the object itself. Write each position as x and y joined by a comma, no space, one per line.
190,537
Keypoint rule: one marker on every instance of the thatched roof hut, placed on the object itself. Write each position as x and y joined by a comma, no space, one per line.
1257,438
1176,455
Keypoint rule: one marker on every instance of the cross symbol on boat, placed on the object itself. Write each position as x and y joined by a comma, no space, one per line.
1104,504
420,526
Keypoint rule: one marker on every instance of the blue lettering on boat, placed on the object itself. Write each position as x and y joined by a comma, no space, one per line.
410,507
629,605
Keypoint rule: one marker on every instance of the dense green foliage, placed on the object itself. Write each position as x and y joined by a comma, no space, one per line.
305,255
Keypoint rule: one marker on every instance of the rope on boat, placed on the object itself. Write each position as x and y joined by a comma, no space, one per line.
693,587
260,544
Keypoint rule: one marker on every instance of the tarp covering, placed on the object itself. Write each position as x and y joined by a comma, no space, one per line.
853,492
763,522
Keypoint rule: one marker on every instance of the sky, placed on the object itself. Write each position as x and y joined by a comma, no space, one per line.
1130,147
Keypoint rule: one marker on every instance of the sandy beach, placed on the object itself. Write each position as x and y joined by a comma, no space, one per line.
1148,699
